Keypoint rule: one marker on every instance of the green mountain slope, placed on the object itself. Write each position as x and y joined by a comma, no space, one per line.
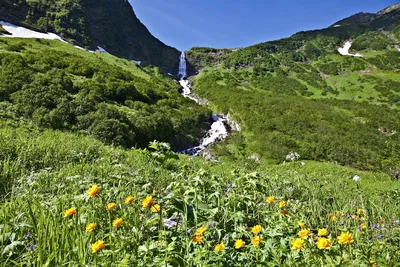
110,24
299,94
55,85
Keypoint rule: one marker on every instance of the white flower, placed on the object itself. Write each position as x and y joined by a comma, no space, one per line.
356,178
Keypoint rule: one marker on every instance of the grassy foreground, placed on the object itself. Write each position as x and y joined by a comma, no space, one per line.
184,211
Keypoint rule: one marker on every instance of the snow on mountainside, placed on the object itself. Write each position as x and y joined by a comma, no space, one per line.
344,51
22,32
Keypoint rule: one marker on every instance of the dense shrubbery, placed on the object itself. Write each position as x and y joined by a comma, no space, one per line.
64,88
371,41
346,132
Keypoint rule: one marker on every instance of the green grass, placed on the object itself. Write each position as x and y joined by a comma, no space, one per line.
50,172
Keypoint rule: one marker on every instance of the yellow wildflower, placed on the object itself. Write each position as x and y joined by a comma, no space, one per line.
334,218
111,206
363,226
256,229
323,243
70,212
197,238
256,240
147,202
93,191
98,246
330,215
201,230
271,199
156,208
345,238
220,247
323,232
298,244
359,211
129,200
304,233
117,222
301,224
239,243
282,204
90,227
372,263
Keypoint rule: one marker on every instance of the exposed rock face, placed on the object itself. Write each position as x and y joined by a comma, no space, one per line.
111,24
389,9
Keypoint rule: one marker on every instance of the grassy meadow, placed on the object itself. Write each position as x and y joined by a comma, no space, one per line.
69,200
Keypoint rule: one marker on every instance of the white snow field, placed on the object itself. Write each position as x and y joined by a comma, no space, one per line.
22,32
345,50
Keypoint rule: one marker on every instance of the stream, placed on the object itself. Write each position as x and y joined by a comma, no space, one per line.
218,130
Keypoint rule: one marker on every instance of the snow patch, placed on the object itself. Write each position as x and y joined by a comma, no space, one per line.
138,62
336,26
345,50
22,32
101,49
81,48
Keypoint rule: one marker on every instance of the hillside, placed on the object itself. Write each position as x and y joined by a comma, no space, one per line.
112,25
300,94
55,85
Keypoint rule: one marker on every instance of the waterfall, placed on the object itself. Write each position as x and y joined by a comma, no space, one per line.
218,131
182,67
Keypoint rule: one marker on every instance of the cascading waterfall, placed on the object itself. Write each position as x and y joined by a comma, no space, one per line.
182,66
218,130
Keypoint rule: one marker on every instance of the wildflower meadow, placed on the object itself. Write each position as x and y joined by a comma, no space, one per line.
110,207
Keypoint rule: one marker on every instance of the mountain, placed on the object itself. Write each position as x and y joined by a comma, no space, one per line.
87,177
330,94
112,25
383,19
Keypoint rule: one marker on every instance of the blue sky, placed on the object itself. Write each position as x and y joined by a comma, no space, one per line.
238,23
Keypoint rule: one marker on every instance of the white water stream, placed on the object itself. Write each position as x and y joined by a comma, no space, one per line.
218,129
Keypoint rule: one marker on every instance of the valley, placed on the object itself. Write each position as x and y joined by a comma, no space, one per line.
118,150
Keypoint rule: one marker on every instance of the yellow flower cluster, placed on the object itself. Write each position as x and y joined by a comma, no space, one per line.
256,240
322,241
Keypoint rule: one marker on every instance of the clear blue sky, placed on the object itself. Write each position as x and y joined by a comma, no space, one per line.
237,23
